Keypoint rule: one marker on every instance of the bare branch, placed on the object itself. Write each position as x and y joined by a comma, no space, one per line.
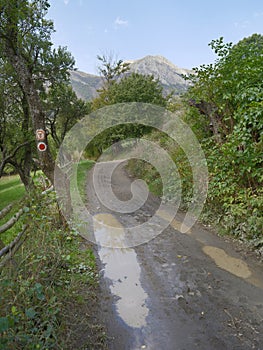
11,245
6,210
13,251
11,222
9,157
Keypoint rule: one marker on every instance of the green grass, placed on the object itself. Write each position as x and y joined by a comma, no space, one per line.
82,171
8,181
11,189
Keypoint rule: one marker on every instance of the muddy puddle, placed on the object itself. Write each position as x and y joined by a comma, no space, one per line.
177,225
233,265
121,267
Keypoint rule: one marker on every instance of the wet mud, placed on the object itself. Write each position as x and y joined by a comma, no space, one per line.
178,291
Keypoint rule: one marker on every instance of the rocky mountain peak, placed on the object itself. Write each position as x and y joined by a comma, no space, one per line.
169,75
161,68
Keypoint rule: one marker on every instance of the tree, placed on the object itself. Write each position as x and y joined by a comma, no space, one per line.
132,87
25,45
15,142
64,109
111,69
219,90
229,96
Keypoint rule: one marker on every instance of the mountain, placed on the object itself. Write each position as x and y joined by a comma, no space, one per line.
170,76
85,85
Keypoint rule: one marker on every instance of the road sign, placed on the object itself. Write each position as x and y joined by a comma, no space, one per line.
41,146
40,135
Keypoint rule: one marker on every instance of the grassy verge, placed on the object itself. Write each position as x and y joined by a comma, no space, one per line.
11,189
82,171
49,291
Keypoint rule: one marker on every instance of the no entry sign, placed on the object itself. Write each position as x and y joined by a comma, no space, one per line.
41,146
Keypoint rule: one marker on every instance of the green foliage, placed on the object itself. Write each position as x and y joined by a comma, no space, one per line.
131,88
137,88
112,136
41,293
229,95
64,109
147,172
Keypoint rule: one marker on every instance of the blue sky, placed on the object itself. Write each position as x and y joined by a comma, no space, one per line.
132,29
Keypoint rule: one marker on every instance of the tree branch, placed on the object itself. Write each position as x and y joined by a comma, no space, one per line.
9,157
11,222
11,245
6,210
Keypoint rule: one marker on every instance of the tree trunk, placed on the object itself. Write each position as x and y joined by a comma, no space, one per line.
35,108
26,178
209,110
27,158
24,174
27,84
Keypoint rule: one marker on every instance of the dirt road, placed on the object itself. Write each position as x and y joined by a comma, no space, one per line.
179,291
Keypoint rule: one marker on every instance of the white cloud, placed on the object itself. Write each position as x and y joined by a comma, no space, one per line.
258,14
66,2
119,22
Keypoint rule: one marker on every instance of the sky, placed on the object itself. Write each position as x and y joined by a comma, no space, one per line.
179,30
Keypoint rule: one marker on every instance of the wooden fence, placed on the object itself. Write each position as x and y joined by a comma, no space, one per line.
7,252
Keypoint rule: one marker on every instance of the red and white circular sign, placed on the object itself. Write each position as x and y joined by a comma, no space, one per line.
41,146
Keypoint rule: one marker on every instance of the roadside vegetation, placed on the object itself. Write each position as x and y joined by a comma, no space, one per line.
227,101
49,288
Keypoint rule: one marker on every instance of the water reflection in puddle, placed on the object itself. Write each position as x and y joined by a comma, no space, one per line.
122,268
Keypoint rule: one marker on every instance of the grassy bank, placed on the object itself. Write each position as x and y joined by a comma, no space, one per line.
11,189
49,290
82,172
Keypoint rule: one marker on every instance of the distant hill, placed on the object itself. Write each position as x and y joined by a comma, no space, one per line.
85,85
170,76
